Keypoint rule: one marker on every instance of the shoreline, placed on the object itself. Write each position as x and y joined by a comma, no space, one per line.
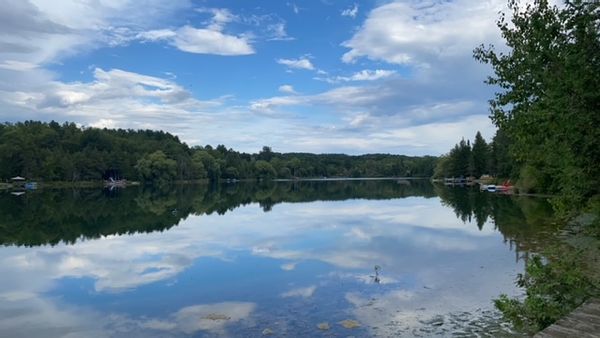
101,184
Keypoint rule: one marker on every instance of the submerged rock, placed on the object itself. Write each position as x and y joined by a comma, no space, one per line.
217,316
350,324
267,332
323,326
435,321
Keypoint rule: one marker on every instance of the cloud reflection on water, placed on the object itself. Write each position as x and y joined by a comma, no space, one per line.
429,260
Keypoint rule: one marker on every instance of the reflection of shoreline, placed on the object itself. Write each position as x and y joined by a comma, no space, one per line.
317,179
507,212
59,216
55,216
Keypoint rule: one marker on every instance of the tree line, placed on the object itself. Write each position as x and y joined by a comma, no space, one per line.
66,152
478,158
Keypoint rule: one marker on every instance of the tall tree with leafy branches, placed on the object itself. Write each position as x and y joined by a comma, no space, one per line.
548,100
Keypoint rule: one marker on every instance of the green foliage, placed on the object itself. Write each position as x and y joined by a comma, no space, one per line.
198,168
231,173
528,179
549,98
54,152
264,169
284,172
501,162
157,168
553,289
464,160
442,169
547,111
211,167
50,151
481,156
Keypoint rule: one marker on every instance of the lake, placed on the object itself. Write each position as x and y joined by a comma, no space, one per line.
360,258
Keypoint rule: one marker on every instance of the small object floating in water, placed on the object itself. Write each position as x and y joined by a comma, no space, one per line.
376,278
350,324
267,332
323,326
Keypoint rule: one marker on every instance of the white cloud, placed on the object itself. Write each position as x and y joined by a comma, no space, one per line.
288,266
305,292
370,75
287,89
294,7
18,66
363,75
301,63
39,32
348,96
104,123
212,38
157,34
351,12
115,98
409,32
277,32
359,120
221,17
207,41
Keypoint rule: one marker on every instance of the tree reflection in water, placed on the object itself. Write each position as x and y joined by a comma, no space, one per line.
55,216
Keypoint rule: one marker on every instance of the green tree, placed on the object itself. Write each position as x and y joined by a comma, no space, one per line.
231,172
549,97
460,159
213,170
198,169
264,169
502,164
157,168
266,154
442,169
480,156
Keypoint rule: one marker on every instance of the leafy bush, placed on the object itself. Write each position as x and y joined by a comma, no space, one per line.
552,290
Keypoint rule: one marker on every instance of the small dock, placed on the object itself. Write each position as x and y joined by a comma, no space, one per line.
583,322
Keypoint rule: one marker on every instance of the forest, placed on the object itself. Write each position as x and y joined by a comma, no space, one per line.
66,152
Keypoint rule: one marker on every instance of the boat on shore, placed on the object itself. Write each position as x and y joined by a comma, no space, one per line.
505,187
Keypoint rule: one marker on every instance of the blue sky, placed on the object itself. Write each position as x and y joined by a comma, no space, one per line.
318,76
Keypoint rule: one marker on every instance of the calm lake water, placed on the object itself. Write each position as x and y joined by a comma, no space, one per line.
398,258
